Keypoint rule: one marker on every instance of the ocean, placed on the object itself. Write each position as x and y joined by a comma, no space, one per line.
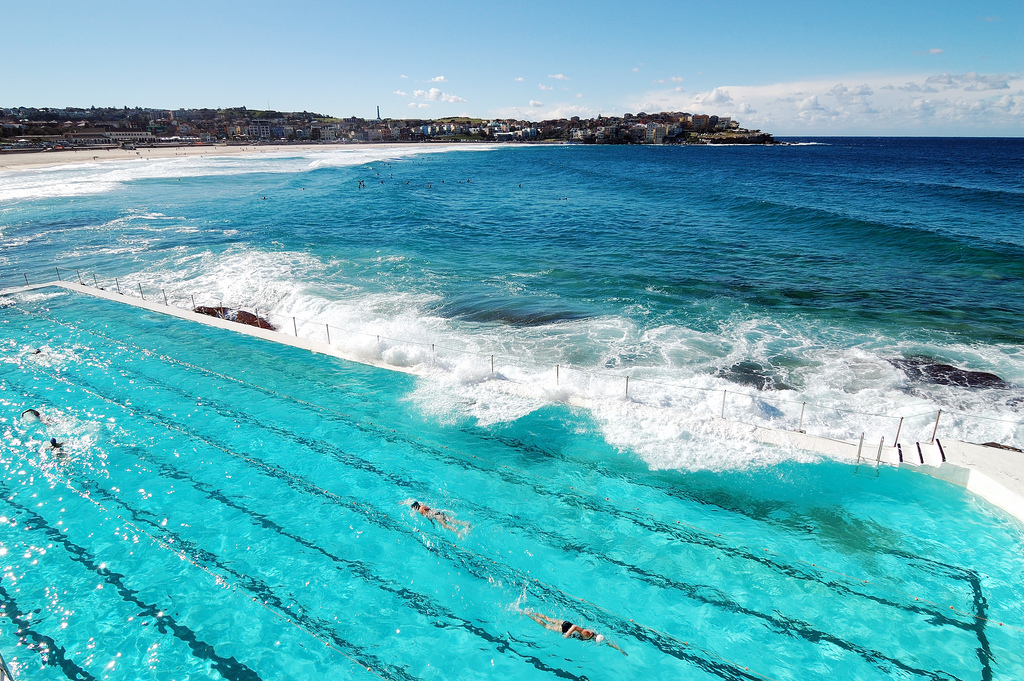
838,284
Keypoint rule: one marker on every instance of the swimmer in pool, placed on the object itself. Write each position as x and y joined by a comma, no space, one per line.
446,522
569,630
57,448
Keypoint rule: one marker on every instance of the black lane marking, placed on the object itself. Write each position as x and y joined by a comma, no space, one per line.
228,667
722,602
55,655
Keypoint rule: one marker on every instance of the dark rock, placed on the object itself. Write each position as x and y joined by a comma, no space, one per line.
752,374
999,446
920,368
240,316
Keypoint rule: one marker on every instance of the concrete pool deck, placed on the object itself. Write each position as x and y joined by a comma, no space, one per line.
994,474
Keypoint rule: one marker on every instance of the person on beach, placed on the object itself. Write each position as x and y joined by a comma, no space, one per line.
570,630
456,526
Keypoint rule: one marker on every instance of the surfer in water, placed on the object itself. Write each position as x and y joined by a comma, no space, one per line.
569,630
446,521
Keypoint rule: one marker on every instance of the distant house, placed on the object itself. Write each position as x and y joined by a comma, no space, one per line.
259,129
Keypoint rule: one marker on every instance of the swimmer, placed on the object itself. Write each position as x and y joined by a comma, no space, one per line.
30,414
446,522
57,448
570,630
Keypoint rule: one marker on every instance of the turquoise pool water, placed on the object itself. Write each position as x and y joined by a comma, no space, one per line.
232,508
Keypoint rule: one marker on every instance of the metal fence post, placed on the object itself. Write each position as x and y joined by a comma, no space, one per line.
556,374
140,291
724,393
936,429
95,281
58,273
492,364
295,325
800,427
898,429
165,297
117,285
193,301
26,278
627,386
859,448
80,277
328,333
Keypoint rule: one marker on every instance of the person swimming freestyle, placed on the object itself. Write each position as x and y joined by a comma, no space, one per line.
447,522
570,630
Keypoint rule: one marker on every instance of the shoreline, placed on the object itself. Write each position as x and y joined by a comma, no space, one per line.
30,160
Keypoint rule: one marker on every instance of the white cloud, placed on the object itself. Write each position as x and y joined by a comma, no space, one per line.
676,79
659,80
434,95
437,79
559,76
534,103
403,76
579,95
401,94
971,82
419,105
519,79
542,86
717,97
915,104
932,51
678,88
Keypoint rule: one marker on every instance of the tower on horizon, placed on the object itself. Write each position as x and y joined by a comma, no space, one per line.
378,112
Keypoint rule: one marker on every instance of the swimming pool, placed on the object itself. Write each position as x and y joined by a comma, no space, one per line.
233,508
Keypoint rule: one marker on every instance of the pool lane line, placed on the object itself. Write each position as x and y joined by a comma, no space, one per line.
53,654
870,656
778,567
536,662
114,578
228,667
516,445
981,634
706,663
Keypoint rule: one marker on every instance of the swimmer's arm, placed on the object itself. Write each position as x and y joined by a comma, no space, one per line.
619,649
572,629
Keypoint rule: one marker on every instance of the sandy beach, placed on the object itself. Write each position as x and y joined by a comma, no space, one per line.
41,159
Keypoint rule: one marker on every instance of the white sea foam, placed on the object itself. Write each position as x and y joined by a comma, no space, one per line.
675,390
80,179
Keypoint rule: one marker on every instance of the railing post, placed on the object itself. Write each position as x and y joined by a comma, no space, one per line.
140,291
79,273
878,458
492,364
165,297
58,273
859,448
26,278
724,393
556,375
800,427
898,429
627,386
193,300
95,281
328,333
936,429
118,285
295,325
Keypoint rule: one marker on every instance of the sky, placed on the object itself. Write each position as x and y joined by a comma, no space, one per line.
915,67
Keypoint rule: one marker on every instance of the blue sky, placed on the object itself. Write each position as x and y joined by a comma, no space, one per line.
908,68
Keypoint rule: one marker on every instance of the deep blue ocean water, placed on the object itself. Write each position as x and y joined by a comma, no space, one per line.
205,470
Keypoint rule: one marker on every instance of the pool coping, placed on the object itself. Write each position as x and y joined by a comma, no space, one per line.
993,474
